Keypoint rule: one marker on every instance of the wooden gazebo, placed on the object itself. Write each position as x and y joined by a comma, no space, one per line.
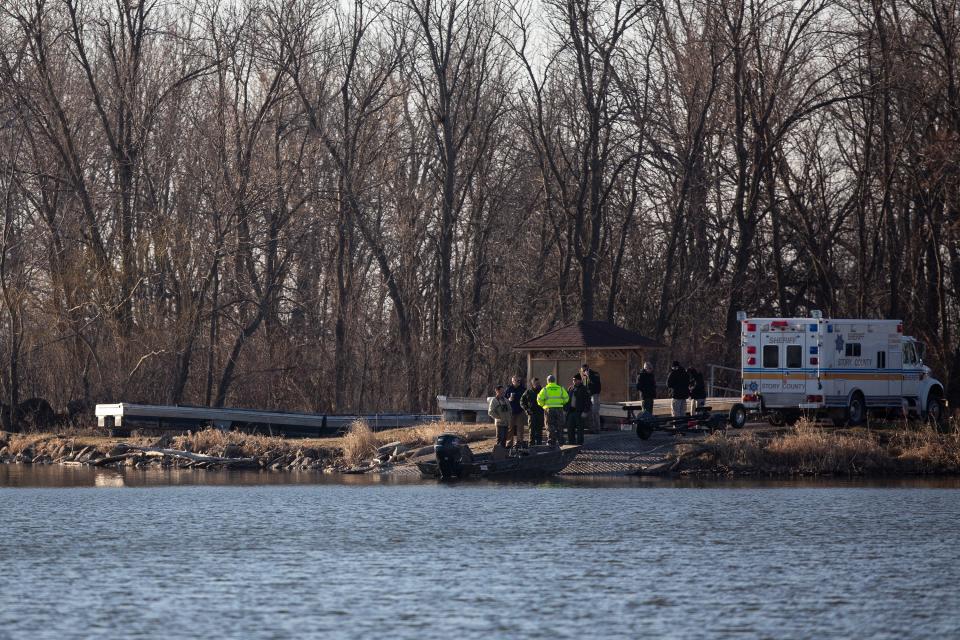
610,350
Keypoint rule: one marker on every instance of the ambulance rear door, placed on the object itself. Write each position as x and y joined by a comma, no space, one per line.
892,365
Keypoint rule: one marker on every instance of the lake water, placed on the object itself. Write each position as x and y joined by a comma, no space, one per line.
188,554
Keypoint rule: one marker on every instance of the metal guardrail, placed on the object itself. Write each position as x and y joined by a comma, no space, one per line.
713,387
124,416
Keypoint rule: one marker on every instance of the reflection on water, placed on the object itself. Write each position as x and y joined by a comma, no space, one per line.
25,475
180,553
108,479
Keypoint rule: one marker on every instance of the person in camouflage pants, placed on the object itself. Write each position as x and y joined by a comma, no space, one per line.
534,411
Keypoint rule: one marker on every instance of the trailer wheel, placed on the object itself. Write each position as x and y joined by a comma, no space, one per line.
857,410
738,416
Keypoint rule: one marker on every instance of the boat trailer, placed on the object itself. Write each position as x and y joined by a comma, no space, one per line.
703,419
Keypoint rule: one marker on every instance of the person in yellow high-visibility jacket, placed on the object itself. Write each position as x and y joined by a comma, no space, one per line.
553,398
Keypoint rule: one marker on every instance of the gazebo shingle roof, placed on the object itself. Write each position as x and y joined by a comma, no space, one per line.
592,334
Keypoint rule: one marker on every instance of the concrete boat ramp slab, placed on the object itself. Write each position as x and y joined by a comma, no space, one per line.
621,453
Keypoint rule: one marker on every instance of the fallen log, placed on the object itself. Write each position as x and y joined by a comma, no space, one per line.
111,459
196,458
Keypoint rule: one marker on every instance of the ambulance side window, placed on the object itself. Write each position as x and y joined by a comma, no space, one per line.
881,359
909,355
852,350
794,356
771,356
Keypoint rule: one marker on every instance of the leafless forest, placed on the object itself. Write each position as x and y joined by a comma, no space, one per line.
340,205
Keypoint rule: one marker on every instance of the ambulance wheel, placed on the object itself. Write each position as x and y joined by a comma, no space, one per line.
934,412
738,416
856,410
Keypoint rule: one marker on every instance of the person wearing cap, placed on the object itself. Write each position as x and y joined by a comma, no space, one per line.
528,401
578,409
647,387
591,380
499,410
518,420
553,398
679,383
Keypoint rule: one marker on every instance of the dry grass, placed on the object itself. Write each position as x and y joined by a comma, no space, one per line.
814,450
426,434
215,442
359,443
810,449
926,449
21,442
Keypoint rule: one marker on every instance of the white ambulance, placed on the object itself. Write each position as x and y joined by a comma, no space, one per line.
843,368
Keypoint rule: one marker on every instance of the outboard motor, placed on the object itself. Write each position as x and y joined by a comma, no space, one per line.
646,424
449,451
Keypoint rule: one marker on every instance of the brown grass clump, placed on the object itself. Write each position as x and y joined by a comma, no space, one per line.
359,443
426,434
741,451
810,449
21,442
927,450
214,442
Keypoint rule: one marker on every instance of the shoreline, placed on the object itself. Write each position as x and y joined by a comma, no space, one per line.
357,451
806,450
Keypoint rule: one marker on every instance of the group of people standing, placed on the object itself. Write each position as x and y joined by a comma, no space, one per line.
517,407
684,385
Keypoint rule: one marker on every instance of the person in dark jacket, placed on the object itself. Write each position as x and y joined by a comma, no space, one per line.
679,383
698,390
534,411
591,380
518,419
578,409
647,387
